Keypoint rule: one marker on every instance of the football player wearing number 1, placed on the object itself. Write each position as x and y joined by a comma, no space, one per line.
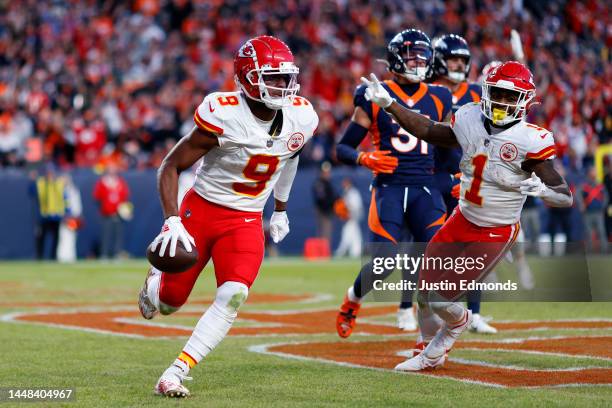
451,68
404,195
249,143
504,160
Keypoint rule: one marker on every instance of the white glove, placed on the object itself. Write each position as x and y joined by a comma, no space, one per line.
517,46
279,226
171,232
533,186
376,93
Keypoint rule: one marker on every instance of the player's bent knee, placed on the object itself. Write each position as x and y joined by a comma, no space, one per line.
171,298
167,309
231,295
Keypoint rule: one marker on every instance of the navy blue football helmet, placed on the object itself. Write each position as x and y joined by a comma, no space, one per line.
451,46
410,45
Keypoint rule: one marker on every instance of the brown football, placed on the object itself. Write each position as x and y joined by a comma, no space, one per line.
181,261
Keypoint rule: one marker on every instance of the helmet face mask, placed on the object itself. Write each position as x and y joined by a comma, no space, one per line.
447,48
266,73
503,104
458,75
410,55
416,62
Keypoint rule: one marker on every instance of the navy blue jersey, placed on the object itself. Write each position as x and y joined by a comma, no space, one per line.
416,157
466,93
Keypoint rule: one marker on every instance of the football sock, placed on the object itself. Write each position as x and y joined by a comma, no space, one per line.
473,301
451,312
216,321
364,283
429,323
185,358
406,305
350,294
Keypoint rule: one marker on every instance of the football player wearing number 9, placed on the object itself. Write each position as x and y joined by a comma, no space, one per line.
249,143
404,195
504,160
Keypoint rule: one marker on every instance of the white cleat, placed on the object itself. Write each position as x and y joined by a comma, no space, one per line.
421,362
406,320
147,308
480,325
171,383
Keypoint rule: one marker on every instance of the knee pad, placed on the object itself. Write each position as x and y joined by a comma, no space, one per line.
230,296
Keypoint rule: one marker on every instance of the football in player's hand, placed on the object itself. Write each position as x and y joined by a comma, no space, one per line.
180,262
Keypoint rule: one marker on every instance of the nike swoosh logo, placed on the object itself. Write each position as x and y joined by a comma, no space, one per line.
495,235
249,219
543,136
210,107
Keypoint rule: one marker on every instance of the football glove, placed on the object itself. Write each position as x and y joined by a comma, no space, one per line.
279,226
536,188
378,161
456,189
376,93
533,186
171,232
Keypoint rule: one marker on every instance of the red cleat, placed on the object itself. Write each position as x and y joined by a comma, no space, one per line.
345,321
418,348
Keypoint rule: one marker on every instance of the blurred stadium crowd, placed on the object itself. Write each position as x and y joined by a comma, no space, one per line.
85,83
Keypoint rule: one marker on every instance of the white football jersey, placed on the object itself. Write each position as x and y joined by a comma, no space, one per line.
241,172
491,165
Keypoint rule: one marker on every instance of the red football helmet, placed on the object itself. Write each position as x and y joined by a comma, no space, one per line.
262,60
507,93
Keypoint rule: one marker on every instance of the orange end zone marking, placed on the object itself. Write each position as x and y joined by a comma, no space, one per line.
254,298
384,355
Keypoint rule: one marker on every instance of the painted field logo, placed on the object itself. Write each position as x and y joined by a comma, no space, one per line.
572,359
386,354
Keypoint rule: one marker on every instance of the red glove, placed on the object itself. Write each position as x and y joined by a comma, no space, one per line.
378,161
456,189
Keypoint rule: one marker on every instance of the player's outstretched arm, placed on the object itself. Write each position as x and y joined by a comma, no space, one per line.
546,183
187,151
436,133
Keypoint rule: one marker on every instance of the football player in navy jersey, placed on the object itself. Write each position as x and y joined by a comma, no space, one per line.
451,68
404,193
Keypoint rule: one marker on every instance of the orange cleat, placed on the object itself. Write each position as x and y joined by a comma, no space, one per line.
345,321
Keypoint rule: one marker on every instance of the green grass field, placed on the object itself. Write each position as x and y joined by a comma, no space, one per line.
112,370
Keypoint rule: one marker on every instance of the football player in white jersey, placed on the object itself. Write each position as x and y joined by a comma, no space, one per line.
249,143
504,160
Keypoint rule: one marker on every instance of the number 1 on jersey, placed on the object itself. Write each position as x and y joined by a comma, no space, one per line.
473,193
260,169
